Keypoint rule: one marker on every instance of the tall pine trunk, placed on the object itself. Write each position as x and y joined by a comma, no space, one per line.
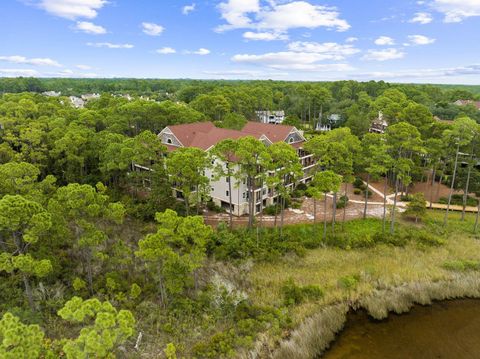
282,216
334,212
230,199
452,186
325,217
88,260
432,186
465,194
366,198
345,205
251,200
392,223
28,291
475,228
385,188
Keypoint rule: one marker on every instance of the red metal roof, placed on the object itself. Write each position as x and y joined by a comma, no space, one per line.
205,135
275,133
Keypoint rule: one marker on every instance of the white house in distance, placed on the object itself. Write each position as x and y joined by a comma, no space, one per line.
468,102
77,102
205,135
274,117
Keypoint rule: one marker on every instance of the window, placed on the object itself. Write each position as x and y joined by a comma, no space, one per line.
227,193
169,140
290,140
227,179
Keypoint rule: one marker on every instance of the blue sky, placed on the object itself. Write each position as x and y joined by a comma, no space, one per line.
403,41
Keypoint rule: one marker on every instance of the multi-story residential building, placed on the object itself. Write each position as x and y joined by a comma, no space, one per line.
379,125
205,135
77,102
274,117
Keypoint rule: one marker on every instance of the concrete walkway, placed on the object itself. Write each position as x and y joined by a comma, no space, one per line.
400,204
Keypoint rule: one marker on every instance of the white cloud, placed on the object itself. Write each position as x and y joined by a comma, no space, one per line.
235,13
18,72
351,39
384,41
83,67
457,10
279,17
325,51
187,9
383,55
16,59
72,9
152,29
290,60
264,36
420,40
90,28
202,52
110,45
303,56
166,51
301,14
422,18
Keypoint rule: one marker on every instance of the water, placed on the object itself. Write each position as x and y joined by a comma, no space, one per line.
446,330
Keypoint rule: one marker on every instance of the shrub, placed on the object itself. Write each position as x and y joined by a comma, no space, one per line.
427,239
219,345
357,191
406,198
348,282
457,199
358,183
271,210
395,239
298,193
342,202
462,265
301,187
294,294
296,204
368,193
417,207
214,208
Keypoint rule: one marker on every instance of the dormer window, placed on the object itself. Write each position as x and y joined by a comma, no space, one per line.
169,141
290,140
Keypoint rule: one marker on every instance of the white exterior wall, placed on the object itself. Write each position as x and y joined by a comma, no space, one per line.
219,189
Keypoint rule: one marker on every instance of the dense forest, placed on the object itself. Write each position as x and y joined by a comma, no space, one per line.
98,260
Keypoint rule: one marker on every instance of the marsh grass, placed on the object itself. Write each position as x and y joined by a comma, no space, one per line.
389,278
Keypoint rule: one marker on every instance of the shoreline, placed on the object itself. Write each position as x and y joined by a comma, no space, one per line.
313,337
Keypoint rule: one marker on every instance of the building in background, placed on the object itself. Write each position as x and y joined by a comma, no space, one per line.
379,125
272,117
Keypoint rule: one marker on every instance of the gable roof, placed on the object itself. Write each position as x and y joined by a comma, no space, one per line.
275,133
187,132
204,135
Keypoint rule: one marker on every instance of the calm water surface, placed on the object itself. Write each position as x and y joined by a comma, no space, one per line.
446,330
